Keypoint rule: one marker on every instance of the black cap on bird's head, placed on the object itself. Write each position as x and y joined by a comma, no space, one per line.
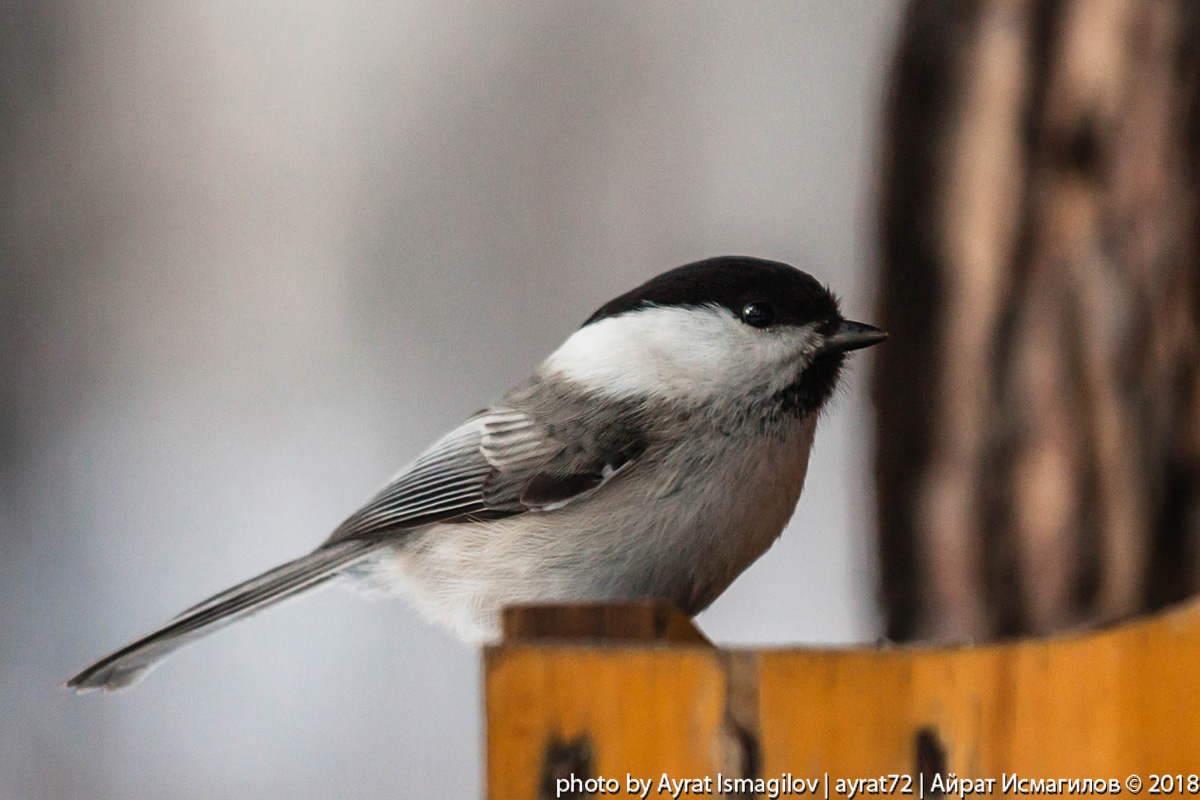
760,293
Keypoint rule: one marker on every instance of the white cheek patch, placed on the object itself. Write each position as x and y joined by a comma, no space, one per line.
695,352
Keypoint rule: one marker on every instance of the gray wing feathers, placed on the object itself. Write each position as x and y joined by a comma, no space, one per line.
443,482
129,664
477,469
512,442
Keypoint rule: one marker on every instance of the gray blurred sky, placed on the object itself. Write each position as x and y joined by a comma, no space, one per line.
256,255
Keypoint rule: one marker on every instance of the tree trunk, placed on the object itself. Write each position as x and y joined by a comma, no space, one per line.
1038,458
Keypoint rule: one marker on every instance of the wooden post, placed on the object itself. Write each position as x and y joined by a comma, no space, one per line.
1106,704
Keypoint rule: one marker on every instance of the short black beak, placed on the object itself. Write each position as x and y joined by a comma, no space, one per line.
852,336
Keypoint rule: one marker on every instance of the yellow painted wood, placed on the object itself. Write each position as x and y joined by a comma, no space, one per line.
639,710
1104,704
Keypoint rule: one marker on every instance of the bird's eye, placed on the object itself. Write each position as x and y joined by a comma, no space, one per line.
757,314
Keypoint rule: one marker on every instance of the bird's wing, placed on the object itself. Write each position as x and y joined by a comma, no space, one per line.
500,462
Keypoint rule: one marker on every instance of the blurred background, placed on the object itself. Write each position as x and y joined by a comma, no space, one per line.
254,256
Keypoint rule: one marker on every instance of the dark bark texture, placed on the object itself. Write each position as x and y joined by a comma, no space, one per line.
1038,455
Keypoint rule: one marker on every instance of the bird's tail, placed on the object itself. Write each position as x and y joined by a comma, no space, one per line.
129,664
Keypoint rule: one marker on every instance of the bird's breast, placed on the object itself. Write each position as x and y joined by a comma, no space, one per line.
739,506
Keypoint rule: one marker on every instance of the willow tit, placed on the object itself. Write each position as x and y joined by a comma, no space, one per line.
656,454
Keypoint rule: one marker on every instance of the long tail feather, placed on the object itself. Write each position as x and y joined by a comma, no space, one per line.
130,663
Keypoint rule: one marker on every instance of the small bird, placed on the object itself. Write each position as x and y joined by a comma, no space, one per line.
656,454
